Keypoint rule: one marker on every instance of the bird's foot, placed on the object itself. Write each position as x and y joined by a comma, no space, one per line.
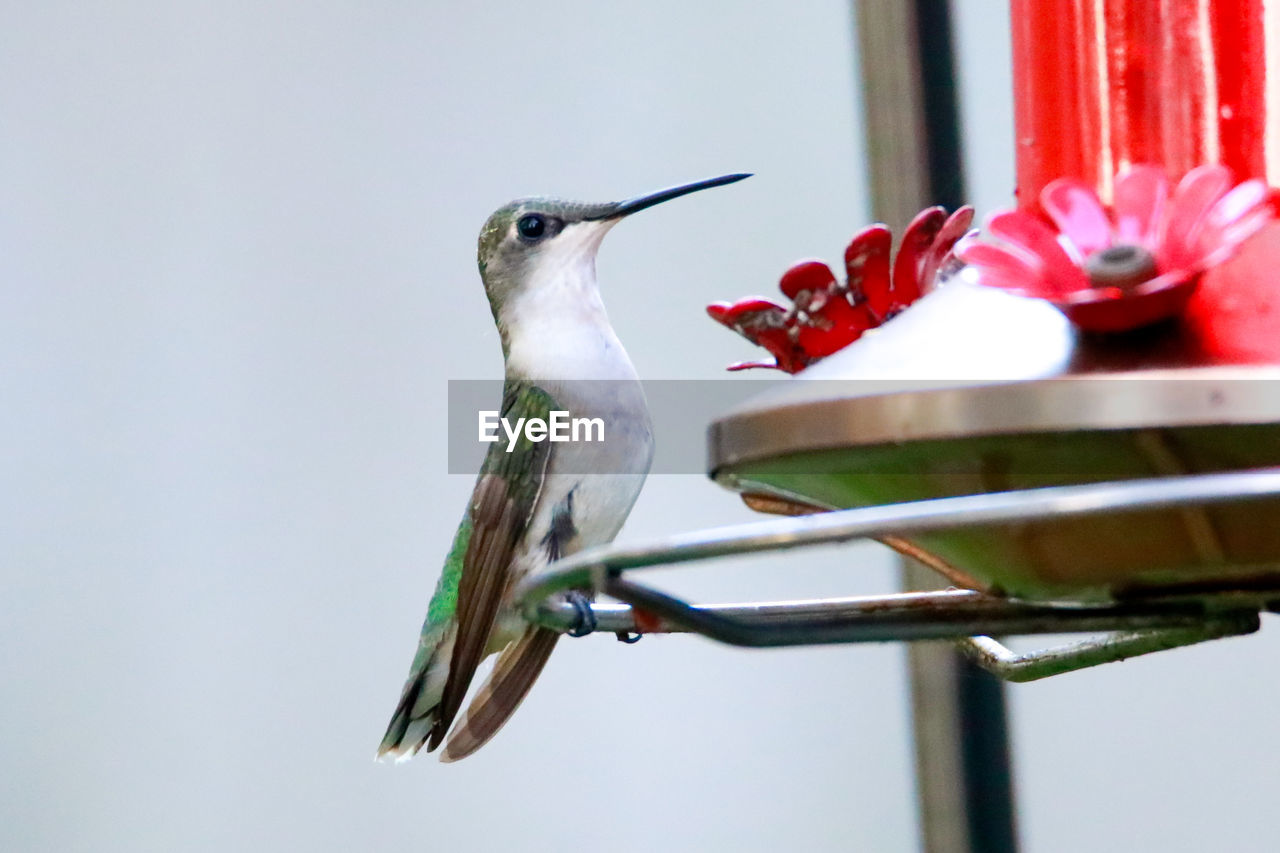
586,617
628,637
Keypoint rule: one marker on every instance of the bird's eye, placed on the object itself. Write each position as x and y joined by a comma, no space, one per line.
531,226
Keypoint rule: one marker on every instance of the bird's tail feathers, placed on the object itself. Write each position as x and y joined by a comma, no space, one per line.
517,668
417,710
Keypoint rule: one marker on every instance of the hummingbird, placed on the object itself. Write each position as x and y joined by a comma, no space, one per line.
534,501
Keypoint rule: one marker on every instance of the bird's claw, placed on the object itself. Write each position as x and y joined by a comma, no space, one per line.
585,623
628,637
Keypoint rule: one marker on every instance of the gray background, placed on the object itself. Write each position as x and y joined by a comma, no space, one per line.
237,244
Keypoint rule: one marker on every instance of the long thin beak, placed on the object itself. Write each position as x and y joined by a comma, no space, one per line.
617,210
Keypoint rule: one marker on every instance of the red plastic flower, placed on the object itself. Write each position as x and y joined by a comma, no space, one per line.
826,314
1136,263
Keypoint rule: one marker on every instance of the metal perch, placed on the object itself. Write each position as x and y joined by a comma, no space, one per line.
1146,625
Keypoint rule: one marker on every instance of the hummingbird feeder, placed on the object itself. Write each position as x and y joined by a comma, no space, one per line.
1076,420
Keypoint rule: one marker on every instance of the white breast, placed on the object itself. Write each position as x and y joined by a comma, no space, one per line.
557,327
559,335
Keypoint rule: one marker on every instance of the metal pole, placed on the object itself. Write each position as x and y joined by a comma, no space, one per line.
963,771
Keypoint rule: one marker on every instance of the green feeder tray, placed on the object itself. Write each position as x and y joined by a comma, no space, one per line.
1066,410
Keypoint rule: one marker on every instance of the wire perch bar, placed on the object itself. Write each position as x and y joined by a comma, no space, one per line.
956,614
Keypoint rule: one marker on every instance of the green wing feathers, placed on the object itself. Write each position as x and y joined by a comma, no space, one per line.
444,602
399,741
468,596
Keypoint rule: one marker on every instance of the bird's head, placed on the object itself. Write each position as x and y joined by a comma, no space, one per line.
535,243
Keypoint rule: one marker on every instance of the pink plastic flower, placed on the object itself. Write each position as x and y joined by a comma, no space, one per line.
826,314
1110,270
